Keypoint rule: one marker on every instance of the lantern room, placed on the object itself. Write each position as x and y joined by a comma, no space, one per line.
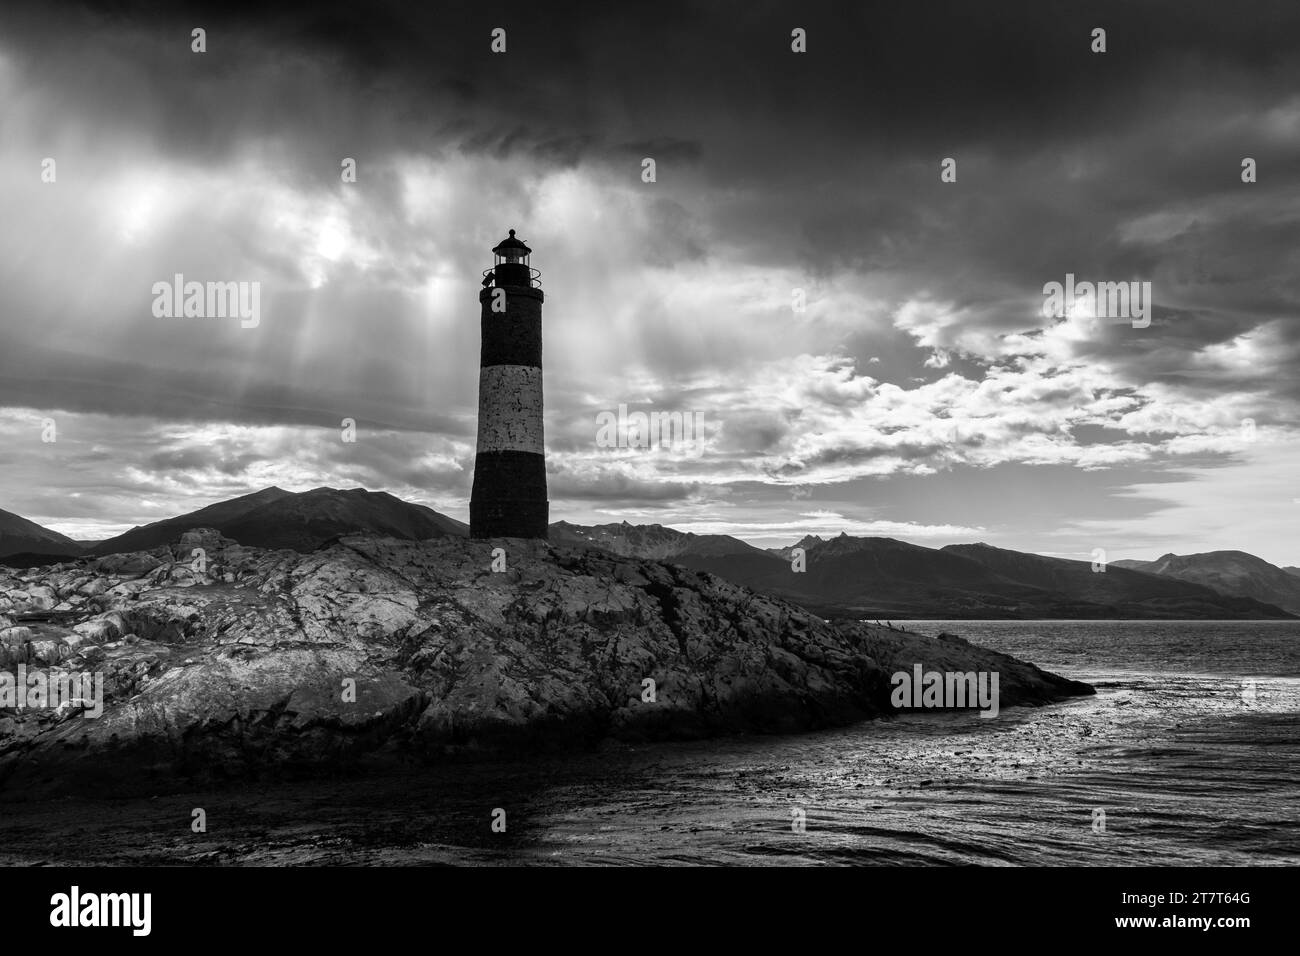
511,265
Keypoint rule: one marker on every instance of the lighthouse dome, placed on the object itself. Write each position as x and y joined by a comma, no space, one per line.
511,248
512,267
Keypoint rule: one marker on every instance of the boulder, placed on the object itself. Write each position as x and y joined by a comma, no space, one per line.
17,636
95,586
128,565
102,629
42,597
48,652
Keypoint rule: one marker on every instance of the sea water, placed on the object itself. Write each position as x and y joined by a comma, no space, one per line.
1188,754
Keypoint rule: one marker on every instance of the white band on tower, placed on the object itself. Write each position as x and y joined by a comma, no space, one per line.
510,409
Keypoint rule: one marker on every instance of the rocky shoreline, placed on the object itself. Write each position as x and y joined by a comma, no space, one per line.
223,662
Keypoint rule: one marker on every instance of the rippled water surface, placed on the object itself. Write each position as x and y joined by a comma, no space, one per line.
1190,748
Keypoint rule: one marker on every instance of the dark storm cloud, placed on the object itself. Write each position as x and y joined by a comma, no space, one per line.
920,75
828,159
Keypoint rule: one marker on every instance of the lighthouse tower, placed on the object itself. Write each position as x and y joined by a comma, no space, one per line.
508,499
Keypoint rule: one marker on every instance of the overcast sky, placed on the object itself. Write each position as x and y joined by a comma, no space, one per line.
921,394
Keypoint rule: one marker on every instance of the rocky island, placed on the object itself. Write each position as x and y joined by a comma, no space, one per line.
225,662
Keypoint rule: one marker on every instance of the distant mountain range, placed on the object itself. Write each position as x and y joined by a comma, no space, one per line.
1229,572
22,537
719,554
270,518
871,578
886,579
275,518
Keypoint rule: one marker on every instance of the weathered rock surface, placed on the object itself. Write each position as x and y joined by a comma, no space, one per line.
242,663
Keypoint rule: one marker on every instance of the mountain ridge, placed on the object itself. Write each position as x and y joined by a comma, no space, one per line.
19,535
879,578
302,521
1227,571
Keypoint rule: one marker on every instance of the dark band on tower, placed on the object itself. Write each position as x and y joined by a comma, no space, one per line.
508,499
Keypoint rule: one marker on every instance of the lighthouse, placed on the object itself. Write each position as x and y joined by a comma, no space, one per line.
508,498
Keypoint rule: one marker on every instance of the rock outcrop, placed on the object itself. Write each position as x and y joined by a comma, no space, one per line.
222,661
